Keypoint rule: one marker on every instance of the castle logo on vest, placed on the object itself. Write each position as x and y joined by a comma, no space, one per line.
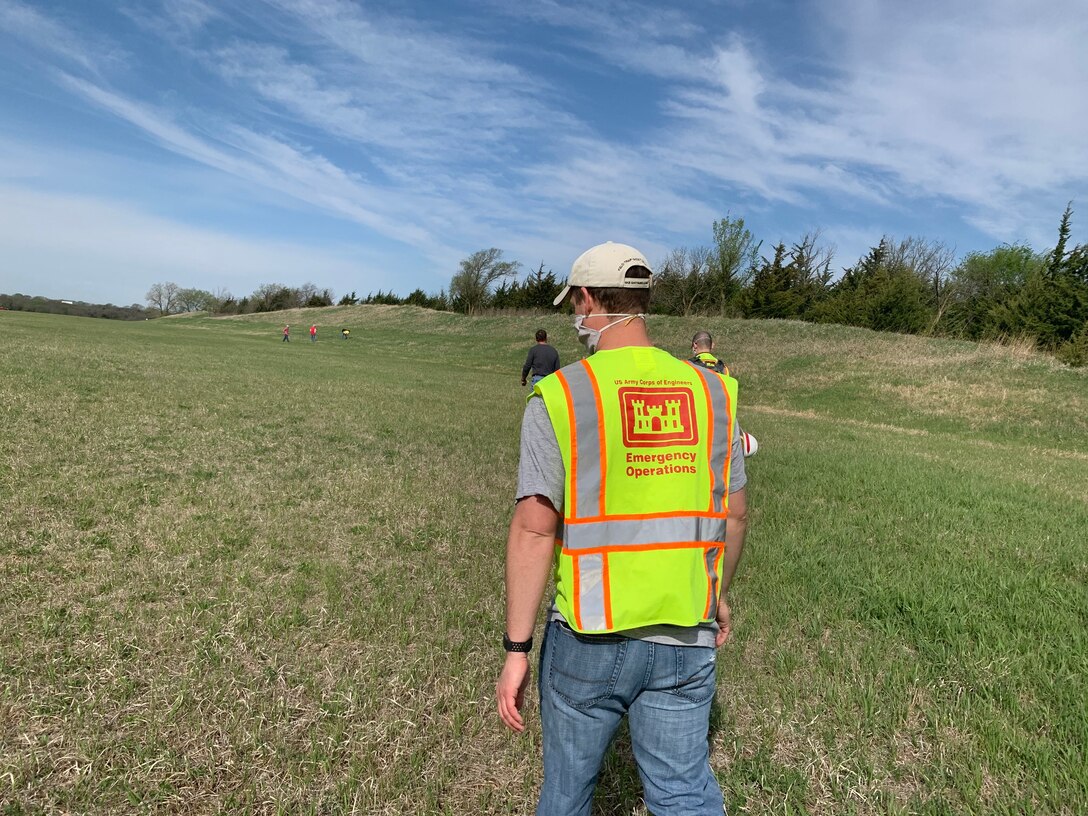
656,417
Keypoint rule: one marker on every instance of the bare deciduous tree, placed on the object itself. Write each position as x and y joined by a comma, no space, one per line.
932,262
163,296
684,280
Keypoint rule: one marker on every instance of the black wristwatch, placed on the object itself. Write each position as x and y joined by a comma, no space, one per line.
516,645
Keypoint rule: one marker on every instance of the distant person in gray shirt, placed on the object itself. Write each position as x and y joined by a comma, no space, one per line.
542,360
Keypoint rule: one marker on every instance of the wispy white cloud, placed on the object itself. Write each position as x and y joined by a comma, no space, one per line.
55,36
172,19
440,218
650,39
985,109
189,15
265,161
613,184
981,105
395,83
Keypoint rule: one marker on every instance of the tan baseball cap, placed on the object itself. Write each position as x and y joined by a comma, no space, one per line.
605,266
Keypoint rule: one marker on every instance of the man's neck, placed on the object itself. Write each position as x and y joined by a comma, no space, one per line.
631,332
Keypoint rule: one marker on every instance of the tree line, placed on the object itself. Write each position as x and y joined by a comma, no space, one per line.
910,285
34,303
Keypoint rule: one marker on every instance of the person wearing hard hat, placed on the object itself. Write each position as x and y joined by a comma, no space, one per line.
631,491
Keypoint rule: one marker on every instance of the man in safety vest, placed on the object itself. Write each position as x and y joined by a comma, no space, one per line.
702,353
631,489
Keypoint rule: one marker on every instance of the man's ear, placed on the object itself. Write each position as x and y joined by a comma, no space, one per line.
583,301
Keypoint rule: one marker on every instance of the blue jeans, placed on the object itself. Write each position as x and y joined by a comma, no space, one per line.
536,378
588,684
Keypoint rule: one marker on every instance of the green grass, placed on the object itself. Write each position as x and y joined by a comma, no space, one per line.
247,576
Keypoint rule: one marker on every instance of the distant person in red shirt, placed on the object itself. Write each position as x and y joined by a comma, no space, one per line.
287,334
313,333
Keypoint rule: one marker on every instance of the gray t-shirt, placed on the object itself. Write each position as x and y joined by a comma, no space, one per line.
541,361
541,473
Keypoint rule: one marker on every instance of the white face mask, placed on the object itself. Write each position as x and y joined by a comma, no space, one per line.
591,337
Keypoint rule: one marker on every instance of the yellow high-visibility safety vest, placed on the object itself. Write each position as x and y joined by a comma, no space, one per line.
710,361
646,442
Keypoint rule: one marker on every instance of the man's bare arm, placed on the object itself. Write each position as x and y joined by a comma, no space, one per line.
530,549
735,531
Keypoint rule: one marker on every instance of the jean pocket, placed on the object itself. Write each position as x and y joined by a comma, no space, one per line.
695,673
582,673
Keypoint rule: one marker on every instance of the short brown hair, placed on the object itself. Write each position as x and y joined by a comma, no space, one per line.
619,300
541,335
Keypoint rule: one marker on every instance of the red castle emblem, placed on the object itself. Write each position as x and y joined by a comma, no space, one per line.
657,417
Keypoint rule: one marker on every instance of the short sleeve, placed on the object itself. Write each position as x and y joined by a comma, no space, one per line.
737,477
540,469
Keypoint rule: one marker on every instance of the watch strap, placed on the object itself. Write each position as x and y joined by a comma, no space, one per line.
516,645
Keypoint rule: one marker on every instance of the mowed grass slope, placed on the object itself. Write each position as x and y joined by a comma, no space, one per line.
242,575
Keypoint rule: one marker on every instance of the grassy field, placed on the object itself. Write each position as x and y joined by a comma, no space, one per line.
238,575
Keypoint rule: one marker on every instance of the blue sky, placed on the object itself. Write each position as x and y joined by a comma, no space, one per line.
372,145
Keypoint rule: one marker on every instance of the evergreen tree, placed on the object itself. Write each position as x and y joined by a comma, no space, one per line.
540,289
879,292
509,295
766,294
1052,306
417,297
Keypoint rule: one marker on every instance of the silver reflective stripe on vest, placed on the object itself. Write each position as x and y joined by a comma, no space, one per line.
591,592
723,442
633,532
587,433
712,559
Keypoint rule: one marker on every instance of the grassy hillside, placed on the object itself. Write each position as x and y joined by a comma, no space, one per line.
249,576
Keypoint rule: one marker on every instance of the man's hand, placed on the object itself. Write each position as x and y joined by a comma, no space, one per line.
523,381
725,623
510,690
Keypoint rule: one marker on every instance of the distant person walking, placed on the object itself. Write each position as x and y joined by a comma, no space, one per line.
542,360
287,334
702,351
313,333
344,333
